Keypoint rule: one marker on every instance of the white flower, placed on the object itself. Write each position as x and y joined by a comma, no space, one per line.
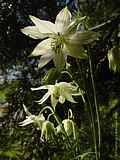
60,41
59,93
32,119
47,130
69,127
114,58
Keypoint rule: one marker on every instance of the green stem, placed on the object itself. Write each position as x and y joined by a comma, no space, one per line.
116,134
93,127
91,114
96,107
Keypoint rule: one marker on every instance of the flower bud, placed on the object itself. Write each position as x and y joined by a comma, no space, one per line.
47,130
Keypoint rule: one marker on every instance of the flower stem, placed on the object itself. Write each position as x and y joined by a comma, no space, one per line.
96,107
92,119
116,134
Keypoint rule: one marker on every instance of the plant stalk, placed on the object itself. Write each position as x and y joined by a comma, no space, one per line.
91,115
96,107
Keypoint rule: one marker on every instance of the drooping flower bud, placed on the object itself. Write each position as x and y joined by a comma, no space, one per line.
47,130
114,59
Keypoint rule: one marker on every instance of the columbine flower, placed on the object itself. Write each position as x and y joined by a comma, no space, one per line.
114,59
69,127
59,93
61,41
47,130
32,119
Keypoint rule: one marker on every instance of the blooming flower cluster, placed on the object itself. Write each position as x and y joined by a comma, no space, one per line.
62,39
59,93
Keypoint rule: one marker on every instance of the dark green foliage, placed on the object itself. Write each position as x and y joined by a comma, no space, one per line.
25,143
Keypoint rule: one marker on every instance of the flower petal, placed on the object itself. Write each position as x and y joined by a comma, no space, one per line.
33,32
26,111
41,87
82,38
44,98
76,51
54,101
69,97
61,99
45,59
42,48
75,42
27,121
44,26
63,19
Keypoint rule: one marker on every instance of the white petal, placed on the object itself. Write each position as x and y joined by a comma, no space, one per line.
54,101
69,97
61,99
82,38
44,98
45,59
26,111
26,122
41,87
44,26
33,32
41,117
63,19
42,48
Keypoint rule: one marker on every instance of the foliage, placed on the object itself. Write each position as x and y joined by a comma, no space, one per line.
86,127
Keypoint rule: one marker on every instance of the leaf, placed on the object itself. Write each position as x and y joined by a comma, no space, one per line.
44,26
10,153
42,48
33,32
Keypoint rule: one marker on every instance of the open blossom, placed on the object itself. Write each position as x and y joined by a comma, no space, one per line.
59,93
60,40
32,119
